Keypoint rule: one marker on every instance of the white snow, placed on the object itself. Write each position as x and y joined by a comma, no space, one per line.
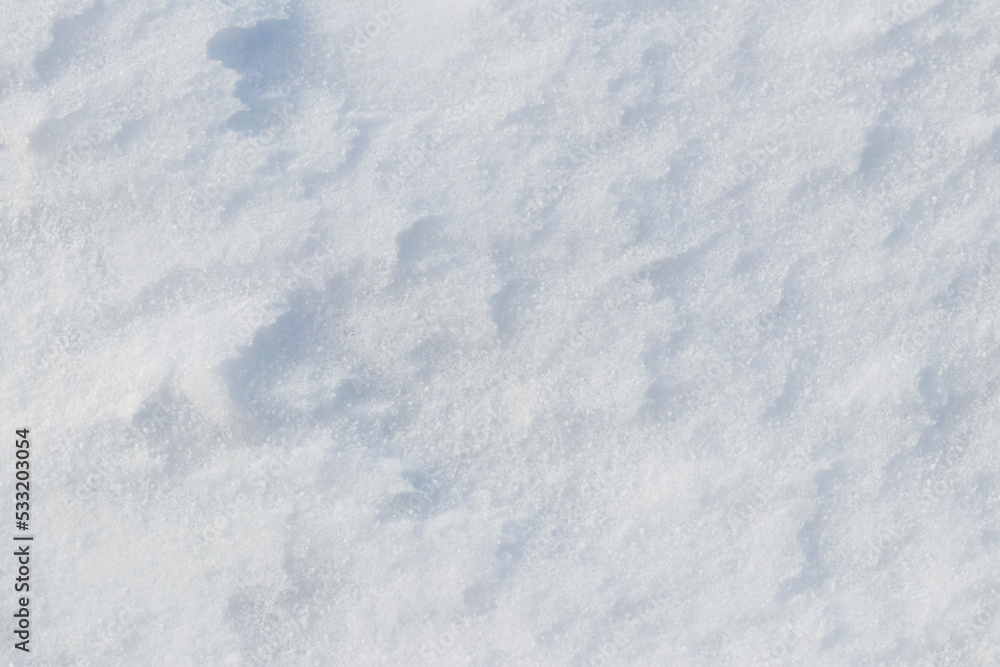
503,332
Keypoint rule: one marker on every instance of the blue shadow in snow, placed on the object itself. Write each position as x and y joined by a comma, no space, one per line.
267,56
70,36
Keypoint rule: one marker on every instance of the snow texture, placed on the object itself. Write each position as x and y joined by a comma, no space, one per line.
504,332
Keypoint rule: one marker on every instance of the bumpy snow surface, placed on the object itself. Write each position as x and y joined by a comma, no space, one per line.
503,332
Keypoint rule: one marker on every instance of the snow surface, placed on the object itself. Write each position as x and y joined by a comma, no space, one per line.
504,332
